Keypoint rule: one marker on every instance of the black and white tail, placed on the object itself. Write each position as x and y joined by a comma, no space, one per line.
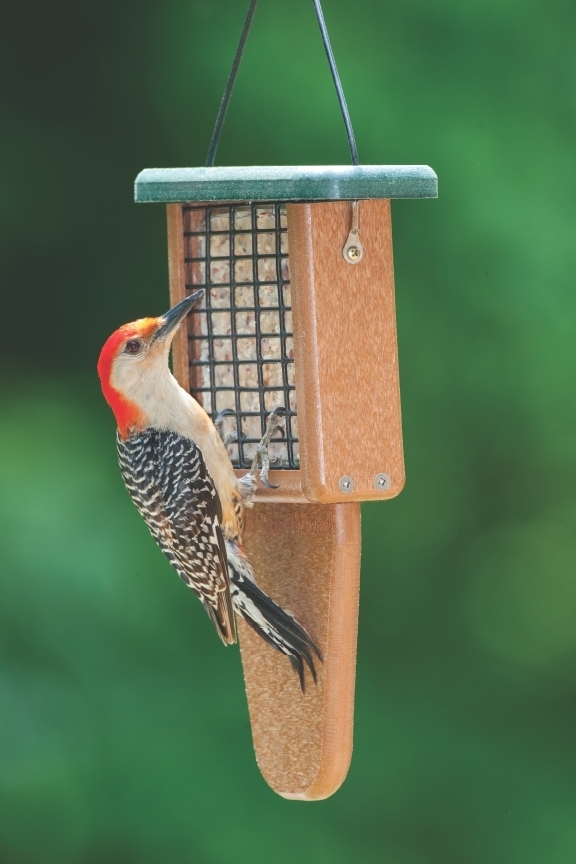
277,627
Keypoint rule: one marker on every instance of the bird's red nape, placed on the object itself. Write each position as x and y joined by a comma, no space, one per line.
127,413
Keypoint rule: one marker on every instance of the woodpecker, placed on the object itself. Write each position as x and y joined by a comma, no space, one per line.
179,475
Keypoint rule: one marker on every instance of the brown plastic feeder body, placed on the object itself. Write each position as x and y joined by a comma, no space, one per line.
288,321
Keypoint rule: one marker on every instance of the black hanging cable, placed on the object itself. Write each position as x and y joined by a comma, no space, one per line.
234,71
337,83
230,86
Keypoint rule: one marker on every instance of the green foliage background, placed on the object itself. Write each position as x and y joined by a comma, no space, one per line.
124,733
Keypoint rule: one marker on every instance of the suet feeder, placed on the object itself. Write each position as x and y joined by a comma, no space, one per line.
298,312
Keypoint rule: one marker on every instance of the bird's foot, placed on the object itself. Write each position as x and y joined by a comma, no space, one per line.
247,487
219,424
261,457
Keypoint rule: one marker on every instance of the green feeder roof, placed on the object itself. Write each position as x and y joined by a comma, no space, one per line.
285,183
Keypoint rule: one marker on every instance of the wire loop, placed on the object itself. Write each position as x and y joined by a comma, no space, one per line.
234,72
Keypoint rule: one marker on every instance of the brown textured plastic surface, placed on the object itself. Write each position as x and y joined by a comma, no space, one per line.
345,350
308,559
177,279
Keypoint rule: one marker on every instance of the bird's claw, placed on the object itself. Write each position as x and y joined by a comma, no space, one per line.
219,424
267,483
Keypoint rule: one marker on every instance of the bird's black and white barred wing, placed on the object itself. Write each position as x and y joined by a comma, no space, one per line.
167,479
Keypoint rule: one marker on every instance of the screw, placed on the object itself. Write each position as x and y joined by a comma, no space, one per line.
382,482
353,253
346,484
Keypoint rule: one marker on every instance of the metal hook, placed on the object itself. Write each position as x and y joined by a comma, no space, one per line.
353,250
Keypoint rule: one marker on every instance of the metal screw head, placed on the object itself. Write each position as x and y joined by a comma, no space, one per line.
353,250
382,482
346,484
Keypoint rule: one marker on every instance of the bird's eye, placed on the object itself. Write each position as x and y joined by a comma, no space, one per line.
133,346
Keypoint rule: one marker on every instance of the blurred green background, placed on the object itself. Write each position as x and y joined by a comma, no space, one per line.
124,734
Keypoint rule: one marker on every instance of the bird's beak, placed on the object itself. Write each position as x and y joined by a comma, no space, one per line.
174,316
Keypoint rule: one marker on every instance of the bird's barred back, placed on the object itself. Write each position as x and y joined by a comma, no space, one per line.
166,477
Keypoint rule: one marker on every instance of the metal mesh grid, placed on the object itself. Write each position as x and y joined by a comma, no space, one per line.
241,349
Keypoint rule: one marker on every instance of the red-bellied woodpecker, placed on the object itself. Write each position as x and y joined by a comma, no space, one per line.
178,473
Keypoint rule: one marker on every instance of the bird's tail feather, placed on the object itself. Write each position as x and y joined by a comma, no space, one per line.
277,627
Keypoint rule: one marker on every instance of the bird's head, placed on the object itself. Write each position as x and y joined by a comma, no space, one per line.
134,362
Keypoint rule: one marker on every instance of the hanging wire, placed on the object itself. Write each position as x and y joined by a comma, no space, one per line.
230,86
234,72
337,83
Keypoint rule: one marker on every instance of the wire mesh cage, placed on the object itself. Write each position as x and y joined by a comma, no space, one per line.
241,347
